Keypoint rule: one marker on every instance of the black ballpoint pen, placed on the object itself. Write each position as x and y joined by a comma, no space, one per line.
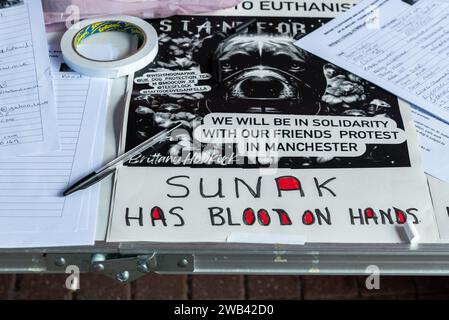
109,168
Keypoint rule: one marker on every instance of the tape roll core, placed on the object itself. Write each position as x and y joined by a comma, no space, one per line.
144,55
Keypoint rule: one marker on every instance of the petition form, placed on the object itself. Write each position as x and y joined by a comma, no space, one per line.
27,107
434,140
400,45
33,212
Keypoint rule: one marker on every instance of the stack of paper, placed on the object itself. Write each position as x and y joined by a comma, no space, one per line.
33,211
34,171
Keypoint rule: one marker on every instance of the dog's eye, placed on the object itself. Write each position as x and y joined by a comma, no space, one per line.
226,66
296,66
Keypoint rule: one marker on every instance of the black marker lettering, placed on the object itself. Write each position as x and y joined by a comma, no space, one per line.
187,191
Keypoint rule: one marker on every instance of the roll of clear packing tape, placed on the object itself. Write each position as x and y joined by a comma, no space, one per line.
144,55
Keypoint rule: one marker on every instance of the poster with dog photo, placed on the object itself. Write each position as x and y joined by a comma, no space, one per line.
272,138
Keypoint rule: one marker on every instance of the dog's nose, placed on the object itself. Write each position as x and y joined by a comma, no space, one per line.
261,88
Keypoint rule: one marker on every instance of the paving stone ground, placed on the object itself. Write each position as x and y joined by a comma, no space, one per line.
180,287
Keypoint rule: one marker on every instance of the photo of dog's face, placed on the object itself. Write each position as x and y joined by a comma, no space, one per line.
264,73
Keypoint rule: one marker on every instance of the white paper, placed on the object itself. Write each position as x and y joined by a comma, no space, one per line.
27,107
240,237
401,47
195,219
434,139
440,198
91,204
33,212
91,200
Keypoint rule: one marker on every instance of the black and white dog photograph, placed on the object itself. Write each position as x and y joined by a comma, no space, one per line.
247,79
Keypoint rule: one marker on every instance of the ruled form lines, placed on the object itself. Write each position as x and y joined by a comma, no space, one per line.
30,186
25,81
65,110
410,55
16,43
